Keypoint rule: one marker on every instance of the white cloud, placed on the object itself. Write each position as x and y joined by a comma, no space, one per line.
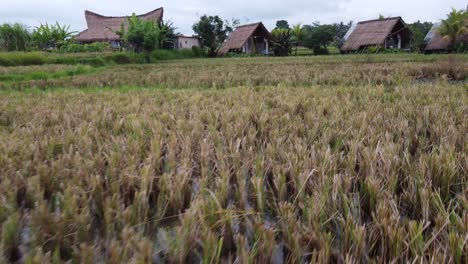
185,12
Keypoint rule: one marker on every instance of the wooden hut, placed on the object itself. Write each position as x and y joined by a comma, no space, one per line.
103,28
388,33
248,39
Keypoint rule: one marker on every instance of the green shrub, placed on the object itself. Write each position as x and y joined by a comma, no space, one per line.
73,48
96,47
76,48
243,55
95,61
120,58
22,59
32,59
163,54
199,52
374,49
5,61
65,60
321,51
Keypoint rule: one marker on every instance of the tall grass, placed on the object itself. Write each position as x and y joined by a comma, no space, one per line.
329,173
9,59
290,72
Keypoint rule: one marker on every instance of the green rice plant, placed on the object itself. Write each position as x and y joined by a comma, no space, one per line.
10,238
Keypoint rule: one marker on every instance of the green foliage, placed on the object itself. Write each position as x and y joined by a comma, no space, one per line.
198,52
22,59
420,30
282,42
14,37
283,24
10,238
320,51
147,35
51,36
243,55
178,54
213,31
92,47
455,26
374,49
297,33
319,36
96,47
120,58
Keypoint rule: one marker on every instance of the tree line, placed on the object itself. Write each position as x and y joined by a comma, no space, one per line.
146,36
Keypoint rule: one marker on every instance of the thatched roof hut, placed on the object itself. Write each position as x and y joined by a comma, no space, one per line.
102,28
247,39
389,33
435,42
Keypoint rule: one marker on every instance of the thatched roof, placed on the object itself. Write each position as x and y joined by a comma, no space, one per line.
435,42
103,28
373,32
241,35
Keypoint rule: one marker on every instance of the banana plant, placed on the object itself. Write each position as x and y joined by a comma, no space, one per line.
53,36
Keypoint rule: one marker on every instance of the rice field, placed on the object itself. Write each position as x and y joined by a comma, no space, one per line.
338,159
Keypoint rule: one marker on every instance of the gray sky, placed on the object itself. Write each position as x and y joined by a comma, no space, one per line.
183,13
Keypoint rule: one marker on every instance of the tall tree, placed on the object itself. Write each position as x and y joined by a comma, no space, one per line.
14,37
420,30
282,24
319,37
212,31
455,26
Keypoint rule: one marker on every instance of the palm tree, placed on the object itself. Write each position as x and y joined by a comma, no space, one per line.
298,34
282,40
455,26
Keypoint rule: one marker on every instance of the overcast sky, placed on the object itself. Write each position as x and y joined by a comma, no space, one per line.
183,13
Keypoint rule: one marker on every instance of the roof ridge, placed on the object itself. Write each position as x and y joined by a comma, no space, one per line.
377,20
249,25
102,16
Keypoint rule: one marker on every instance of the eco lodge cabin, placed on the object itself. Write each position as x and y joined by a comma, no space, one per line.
247,39
436,43
185,42
390,33
103,28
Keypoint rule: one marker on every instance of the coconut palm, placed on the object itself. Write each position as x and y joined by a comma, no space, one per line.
455,26
297,34
282,41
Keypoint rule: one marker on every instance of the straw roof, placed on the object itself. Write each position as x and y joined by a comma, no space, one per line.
241,35
435,42
372,32
103,28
